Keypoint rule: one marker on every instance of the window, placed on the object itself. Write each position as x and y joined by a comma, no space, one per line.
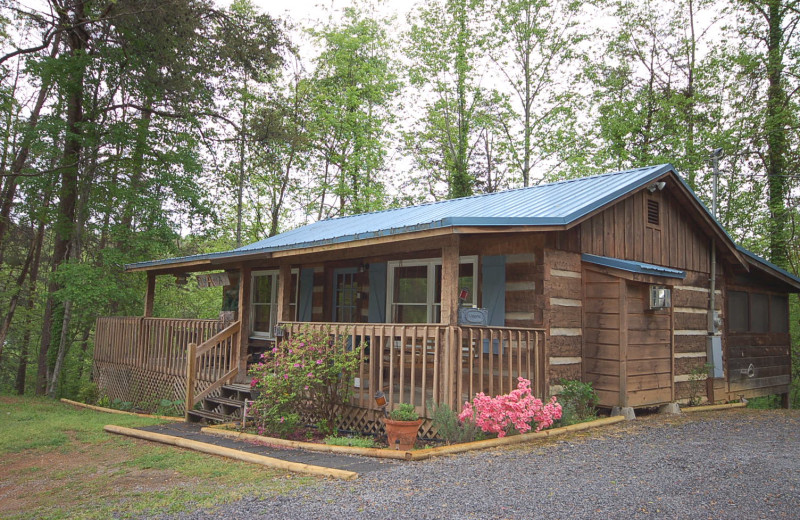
739,311
264,301
779,314
345,296
415,289
757,313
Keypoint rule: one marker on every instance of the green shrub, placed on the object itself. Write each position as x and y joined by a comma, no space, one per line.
450,429
765,402
88,393
697,378
578,401
404,412
358,442
308,375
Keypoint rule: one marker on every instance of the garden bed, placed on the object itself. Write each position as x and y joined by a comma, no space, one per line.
417,454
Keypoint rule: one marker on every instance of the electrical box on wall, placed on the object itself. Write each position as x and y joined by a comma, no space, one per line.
714,354
660,297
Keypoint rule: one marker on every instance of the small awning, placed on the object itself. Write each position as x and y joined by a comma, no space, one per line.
633,267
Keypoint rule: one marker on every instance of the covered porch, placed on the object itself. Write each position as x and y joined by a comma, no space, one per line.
400,303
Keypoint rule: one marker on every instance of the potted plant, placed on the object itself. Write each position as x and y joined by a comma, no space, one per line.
402,426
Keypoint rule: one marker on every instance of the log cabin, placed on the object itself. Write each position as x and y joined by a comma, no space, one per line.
624,280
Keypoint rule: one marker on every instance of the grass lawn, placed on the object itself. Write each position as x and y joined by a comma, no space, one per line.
57,462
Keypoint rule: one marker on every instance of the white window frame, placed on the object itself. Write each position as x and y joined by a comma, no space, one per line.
431,264
273,315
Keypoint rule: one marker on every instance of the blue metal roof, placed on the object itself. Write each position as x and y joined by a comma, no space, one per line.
633,267
555,204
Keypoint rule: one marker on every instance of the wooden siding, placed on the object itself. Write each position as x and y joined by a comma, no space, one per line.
649,350
622,231
769,353
602,340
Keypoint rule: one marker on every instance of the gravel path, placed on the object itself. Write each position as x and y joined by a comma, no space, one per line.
731,464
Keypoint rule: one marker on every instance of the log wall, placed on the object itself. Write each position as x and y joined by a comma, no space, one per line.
563,296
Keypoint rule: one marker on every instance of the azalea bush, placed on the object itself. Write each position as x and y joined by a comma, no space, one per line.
306,376
516,411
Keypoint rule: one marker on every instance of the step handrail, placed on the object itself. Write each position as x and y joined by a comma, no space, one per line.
194,354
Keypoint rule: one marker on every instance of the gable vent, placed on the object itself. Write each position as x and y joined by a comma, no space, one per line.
652,212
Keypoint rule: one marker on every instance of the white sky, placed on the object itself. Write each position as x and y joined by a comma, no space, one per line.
315,10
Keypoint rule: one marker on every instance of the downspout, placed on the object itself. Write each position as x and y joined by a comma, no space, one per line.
712,349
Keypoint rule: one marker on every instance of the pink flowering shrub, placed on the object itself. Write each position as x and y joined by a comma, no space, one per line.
308,375
515,411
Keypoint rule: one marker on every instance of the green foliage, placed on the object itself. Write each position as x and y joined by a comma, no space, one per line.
310,374
404,412
697,379
578,401
765,402
448,427
356,441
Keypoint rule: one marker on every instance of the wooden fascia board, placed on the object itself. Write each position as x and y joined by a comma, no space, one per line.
375,241
179,267
776,274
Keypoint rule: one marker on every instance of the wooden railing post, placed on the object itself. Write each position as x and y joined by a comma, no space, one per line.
191,370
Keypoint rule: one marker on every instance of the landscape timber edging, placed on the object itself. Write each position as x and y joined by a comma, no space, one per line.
253,458
420,454
712,407
122,412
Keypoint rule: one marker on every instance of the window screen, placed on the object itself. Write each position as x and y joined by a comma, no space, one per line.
759,312
779,312
738,311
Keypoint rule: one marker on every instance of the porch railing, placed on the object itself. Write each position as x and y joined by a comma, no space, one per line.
419,364
139,359
212,364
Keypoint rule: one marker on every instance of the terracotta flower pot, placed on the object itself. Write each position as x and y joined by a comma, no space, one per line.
402,435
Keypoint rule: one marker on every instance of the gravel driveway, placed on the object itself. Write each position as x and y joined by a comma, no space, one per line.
730,464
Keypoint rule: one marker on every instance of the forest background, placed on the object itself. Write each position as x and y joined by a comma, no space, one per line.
141,129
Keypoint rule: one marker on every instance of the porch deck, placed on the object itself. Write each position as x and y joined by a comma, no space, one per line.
146,358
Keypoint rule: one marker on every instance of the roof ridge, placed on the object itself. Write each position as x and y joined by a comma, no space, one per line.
478,195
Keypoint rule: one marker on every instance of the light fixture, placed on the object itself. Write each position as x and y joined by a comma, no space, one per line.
660,185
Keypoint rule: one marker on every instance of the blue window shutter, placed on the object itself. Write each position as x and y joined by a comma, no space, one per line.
306,297
377,293
493,288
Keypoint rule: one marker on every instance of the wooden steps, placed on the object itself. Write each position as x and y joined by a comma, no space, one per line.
222,408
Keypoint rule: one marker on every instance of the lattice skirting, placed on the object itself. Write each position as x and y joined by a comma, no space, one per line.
368,422
144,388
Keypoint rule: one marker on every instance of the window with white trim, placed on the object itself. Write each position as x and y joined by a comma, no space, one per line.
414,289
264,301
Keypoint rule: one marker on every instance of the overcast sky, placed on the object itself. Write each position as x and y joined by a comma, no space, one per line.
302,10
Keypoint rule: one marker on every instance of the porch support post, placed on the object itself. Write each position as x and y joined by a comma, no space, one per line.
285,293
449,296
149,295
244,318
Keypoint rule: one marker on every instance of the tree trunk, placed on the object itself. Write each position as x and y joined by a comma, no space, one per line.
77,39
22,369
775,129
